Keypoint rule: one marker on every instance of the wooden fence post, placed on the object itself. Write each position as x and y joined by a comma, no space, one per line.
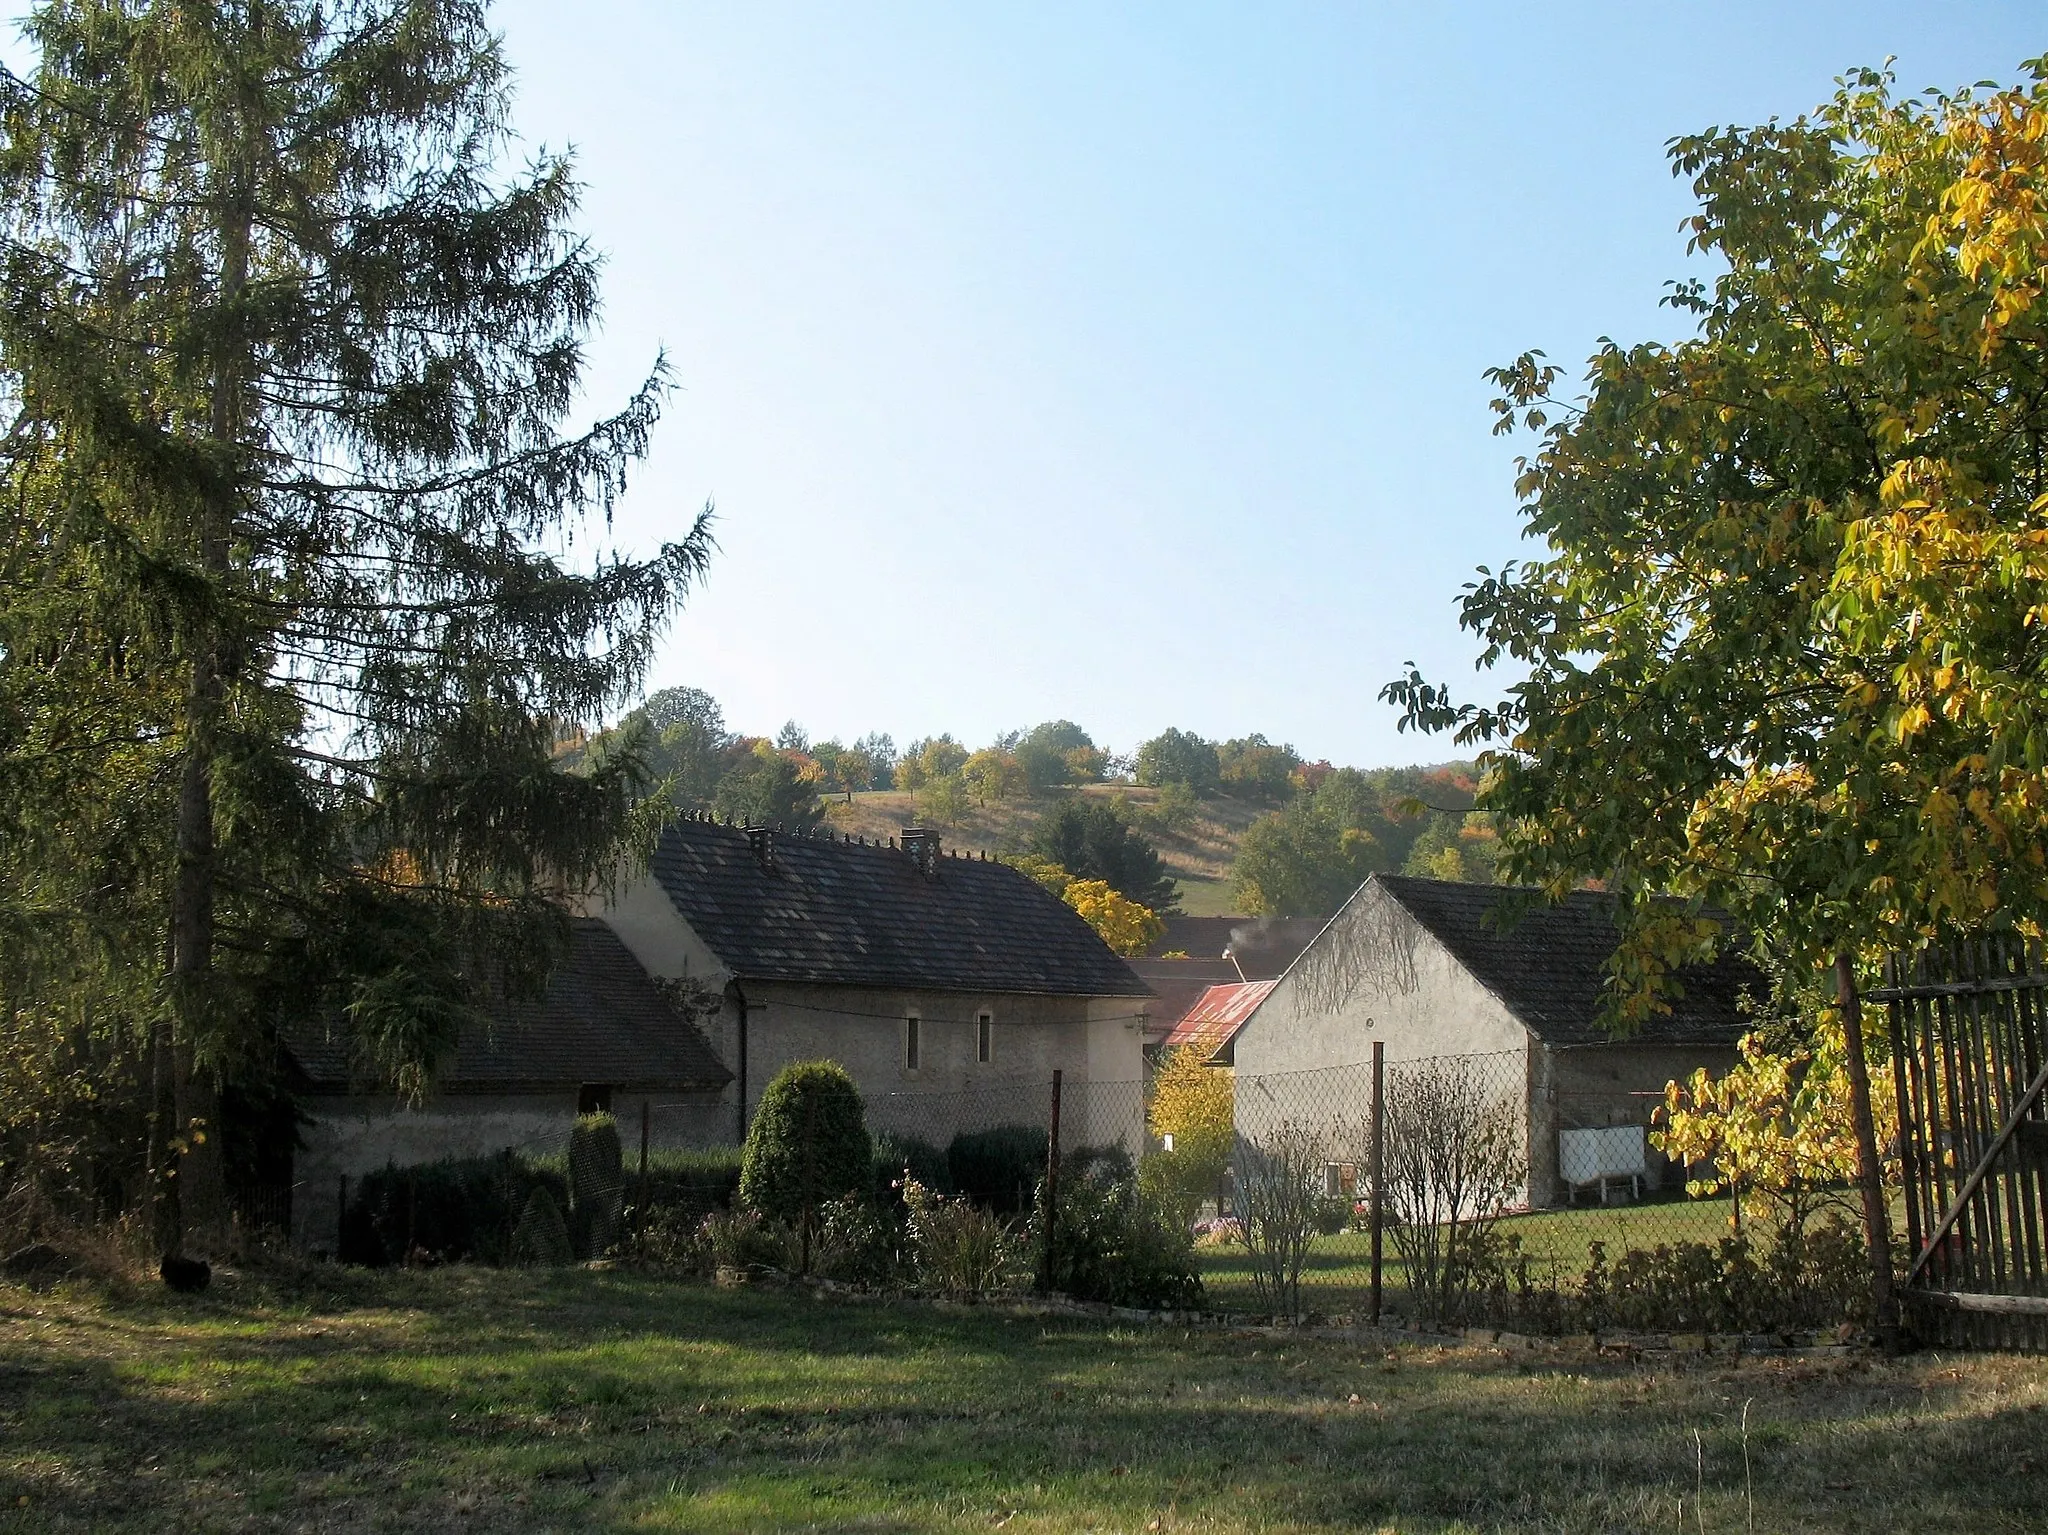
1869,1172
640,1204
1379,1165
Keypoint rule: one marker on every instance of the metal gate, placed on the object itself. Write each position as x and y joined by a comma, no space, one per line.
1969,1027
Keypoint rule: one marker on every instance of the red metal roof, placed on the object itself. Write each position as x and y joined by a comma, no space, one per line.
1213,1022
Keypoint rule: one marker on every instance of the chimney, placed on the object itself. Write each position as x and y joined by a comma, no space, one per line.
761,842
923,847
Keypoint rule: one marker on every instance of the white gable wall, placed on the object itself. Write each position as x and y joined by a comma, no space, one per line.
1374,973
648,923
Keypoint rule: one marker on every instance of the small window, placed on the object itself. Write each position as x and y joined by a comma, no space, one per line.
1340,1179
594,1098
910,1042
984,1039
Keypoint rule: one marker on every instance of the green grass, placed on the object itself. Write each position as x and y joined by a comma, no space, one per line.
468,1400
1207,897
1337,1277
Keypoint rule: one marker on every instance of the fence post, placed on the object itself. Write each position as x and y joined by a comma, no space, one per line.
1869,1171
1379,1164
341,1218
640,1204
1052,1188
810,1174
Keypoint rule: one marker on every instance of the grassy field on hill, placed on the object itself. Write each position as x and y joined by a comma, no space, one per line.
1199,858
461,1400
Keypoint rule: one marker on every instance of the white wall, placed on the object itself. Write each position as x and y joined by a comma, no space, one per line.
1097,1045
1374,973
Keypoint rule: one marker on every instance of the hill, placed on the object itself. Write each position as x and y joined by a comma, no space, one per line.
1198,855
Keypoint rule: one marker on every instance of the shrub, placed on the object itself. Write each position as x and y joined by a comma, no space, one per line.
672,1240
808,1144
740,1239
685,1186
1454,1158
465,1209
858,1242
899,1155
959,1248
1279,1196
1115,1242
597,1184
459,1210
542,1237
998,1168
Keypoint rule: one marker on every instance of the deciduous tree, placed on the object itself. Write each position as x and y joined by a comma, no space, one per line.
1785,654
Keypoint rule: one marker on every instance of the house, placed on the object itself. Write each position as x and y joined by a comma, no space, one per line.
950,987
1196,953
1513,988
602,1036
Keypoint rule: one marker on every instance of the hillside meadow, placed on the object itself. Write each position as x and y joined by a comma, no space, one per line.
1198,856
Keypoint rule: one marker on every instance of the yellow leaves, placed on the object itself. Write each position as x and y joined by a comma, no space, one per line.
1122,923
1912,720
1196,1105
1777,1126
1994,216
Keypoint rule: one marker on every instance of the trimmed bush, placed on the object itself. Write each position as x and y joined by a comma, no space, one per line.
998,1168
542,1238
597,1185
808,1144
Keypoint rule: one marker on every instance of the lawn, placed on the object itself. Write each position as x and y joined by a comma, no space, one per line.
470,1400
1337,1276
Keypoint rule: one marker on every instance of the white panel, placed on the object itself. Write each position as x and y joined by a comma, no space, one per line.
1615,1151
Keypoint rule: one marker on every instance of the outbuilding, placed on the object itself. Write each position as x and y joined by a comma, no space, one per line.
1511,986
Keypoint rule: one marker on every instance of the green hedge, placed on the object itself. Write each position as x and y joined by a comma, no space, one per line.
897,1154
465,1210
808,1143
998,1169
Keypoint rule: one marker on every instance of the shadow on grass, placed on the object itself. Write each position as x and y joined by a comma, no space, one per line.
612,1401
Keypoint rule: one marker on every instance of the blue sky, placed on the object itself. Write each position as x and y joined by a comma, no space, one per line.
1123,363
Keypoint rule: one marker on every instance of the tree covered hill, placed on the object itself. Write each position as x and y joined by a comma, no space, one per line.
1207,827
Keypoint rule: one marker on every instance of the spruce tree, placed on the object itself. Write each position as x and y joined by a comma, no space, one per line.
300,590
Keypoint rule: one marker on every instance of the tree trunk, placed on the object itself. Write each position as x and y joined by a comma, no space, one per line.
1869,1170
201,1173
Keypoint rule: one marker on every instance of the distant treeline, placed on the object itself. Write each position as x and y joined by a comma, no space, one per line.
1323,831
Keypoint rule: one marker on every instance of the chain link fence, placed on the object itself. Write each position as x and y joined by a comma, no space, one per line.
1449,1190
1445,1191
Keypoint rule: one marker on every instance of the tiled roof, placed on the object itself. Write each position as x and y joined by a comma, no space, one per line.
1546,963
832,912
1178,984
600,1020
1212,1023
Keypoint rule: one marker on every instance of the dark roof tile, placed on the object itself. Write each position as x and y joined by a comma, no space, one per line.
837,913
600,1020
1547,962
